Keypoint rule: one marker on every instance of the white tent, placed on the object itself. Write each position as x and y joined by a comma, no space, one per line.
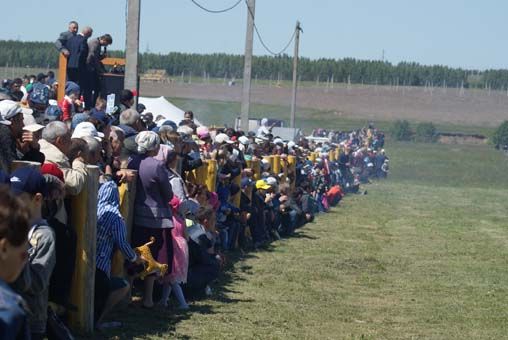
160,106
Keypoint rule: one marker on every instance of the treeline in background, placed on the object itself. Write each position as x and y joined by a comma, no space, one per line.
221,65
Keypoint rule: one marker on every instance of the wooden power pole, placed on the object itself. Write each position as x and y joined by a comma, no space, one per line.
295,75
132,46
247,68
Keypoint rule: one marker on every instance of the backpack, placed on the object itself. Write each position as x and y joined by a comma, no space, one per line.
39,96
52,113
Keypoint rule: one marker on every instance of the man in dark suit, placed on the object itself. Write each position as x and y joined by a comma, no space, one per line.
64,36
94,68
78,52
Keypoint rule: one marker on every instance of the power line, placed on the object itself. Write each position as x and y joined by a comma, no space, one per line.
262,41
215,11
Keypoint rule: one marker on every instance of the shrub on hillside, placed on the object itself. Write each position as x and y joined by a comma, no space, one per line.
500,138
401,130
426,132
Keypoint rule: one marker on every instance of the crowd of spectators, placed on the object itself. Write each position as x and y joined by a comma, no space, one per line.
188,227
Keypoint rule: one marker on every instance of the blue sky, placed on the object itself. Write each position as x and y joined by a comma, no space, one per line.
468,33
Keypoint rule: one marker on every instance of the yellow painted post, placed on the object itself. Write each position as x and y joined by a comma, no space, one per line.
312,157
211,174
276,165
127,193
284,164
84,219
236,199
256,168
200,174
292,169
21,164
62,76
269,159
331,155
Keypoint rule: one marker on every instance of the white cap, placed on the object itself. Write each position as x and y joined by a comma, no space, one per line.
278,141
9,109
244,140
84,129
222,138
30,123
291,144
271,181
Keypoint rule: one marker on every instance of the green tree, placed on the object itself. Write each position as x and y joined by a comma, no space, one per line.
500,137
401,130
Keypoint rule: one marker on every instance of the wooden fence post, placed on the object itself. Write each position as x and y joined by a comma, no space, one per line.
200,174
62,76
312,157
127,193
21,164
256,168
276,165
211,175
236,199
84,220
292,170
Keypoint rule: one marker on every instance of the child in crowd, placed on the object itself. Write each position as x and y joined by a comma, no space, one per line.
178,275
33,283
14,227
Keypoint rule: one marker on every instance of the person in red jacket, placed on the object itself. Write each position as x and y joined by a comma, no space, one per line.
70,102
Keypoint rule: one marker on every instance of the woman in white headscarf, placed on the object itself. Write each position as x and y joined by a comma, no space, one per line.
152,212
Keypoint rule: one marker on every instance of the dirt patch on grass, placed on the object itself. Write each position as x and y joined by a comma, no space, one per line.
473,107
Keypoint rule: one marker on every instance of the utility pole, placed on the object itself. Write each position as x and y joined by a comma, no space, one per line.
132,46
247,66
295,76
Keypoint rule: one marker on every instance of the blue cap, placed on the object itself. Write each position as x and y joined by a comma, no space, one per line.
100,116
29,180
71,87
79,118
246,182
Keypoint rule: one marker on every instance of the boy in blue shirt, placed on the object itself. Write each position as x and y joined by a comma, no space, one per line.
33,283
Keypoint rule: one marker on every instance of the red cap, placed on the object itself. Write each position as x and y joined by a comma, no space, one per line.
52,169
134,92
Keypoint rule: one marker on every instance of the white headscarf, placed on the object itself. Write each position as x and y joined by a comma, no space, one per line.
147,141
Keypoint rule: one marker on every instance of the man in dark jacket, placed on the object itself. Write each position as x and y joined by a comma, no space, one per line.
61,42
77,46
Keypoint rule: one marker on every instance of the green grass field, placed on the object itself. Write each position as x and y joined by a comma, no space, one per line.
422,256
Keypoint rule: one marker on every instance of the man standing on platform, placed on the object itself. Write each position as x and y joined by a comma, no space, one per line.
77,46
95,68
61,42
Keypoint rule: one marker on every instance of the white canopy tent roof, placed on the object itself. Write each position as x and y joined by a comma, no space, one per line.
161,106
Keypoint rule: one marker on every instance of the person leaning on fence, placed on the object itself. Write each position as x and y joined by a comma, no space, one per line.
131,124
19,142
33,283
204,262
14,227
55,143
152,213
111,235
